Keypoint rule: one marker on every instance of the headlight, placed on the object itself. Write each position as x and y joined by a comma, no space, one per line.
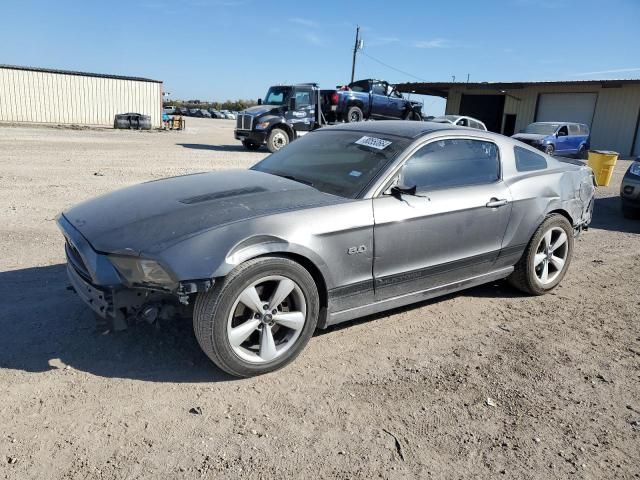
635,169
262,125
141,271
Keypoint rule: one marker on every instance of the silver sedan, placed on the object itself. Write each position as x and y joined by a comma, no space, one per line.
348,221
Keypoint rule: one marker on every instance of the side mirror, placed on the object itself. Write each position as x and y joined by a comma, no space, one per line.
259,101
397,191
292,103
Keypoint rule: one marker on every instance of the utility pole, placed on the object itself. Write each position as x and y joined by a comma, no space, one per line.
356,47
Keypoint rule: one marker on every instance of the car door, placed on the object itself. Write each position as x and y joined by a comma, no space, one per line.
562,140
303,117
395,104
452,229
379,100
574,140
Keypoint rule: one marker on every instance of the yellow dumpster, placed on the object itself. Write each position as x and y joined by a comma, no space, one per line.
602,162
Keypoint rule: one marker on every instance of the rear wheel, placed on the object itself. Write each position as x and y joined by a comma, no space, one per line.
249,145
258,318
546,258
354,114
582,152
277,139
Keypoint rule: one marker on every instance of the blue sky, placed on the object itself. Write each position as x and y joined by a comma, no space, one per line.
227,49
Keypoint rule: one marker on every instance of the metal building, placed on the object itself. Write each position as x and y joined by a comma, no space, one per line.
39,95
610,107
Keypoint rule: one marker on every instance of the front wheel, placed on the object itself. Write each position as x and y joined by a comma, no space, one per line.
413,115
259,317
277,140
546,258
549,149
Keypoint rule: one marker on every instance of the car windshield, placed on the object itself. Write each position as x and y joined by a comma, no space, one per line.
277,95
541,128
341,163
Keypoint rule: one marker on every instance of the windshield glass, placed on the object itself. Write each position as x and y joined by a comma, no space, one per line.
342,163
541,128
277,95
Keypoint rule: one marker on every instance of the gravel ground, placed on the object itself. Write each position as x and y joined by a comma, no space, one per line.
487,383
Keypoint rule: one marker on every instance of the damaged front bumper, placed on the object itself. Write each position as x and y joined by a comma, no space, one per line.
98,284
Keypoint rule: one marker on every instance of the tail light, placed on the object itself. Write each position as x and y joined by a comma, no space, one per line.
334,98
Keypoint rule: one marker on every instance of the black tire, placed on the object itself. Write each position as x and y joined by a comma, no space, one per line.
582,153
354,114
277,139
524,277
212,310
549,149
413,115
249,145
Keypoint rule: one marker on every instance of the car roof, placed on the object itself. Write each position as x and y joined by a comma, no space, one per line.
558,123
399,128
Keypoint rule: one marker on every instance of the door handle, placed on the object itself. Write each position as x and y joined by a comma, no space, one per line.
495,203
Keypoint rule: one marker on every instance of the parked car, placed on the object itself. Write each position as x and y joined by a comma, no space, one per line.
348,221
215,113
169,110
181,111
460,121
373,99
228,115
557,138
201,113
630,190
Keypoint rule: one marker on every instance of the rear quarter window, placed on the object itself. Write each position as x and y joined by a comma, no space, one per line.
528,161
574,129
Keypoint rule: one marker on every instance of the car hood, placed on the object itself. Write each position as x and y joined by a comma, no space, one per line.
262,109
152,216
529,136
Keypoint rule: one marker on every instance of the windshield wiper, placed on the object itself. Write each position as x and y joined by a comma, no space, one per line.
295,179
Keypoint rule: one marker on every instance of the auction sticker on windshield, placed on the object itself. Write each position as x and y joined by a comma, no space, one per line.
373,142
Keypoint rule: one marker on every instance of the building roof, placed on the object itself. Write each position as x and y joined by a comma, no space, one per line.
82,74
441,89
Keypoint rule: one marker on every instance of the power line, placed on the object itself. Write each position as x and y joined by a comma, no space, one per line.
392,67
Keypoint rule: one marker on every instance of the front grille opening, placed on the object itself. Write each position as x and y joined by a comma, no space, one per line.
74,258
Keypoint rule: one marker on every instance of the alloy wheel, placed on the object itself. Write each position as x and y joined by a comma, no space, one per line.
266,319
551,256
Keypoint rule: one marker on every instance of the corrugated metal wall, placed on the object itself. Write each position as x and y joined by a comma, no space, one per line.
43,97
614,122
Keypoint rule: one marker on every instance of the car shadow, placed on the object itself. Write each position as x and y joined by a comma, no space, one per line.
607,215
46,326
219,148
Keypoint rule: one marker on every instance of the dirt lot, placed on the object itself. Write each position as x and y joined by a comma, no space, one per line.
402,395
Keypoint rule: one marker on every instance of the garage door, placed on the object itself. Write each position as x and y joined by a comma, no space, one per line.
566,107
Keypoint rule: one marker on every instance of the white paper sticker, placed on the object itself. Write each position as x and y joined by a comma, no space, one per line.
355,173
373,142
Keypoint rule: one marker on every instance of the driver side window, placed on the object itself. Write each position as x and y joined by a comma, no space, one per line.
452,163
379,88
563,132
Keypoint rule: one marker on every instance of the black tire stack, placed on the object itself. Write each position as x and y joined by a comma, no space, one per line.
132,121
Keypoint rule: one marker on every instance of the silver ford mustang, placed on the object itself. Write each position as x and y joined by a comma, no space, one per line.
348,221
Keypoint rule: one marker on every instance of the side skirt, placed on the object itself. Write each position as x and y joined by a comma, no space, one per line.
415,297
